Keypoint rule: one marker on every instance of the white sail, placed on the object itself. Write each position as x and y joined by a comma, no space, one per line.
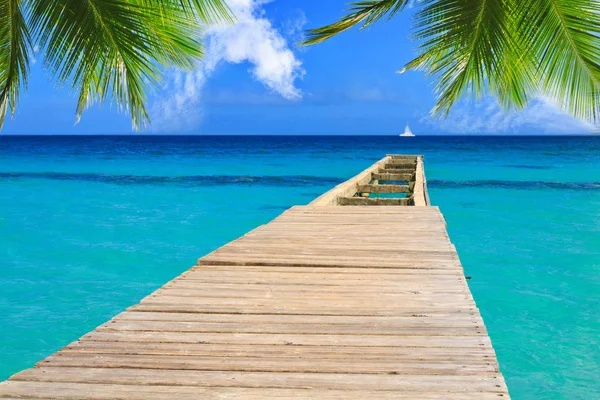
407,131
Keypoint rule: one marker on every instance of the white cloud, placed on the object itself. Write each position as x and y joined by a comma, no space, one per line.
252,39
487,117
293,27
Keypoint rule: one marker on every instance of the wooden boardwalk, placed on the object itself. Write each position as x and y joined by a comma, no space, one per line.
324,302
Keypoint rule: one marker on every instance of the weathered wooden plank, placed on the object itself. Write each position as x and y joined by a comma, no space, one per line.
476,354
407,161
395,171
467,329
363,213
404,167
148,305
330,221
292,339
361,201
351,365
402,156
490,382
344,282
326,262
383,188
406,176
360,211
309,304
312,292
378,282
415,298
353,233
267,318
241,251
396,247
420,189
99,391
199,272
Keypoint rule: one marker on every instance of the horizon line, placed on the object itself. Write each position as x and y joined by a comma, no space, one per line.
591,134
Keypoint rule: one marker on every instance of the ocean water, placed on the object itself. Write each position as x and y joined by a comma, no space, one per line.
91,225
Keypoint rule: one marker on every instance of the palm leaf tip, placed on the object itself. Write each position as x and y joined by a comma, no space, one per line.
118,50
364,13
214,11
15,44
567,45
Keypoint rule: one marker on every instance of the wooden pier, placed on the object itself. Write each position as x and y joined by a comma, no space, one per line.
351,297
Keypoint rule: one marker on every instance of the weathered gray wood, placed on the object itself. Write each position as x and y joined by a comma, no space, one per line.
385,170
359,201
407,163
393,177
348,188
102,391
421,198
404,157
433,384
383,188
400,166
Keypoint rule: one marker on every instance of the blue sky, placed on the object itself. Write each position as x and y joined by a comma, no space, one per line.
256,80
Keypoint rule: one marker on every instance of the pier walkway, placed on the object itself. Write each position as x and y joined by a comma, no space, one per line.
327,301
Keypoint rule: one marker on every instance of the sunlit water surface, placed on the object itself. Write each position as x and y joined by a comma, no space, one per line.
89,226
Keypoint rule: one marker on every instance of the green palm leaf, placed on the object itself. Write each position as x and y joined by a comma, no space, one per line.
15,44
107,50
564,38
361,12
466,45
116,49
514,49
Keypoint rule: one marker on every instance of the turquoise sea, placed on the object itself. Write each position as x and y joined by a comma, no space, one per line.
90,225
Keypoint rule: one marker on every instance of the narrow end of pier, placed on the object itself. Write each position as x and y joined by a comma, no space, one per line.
396,180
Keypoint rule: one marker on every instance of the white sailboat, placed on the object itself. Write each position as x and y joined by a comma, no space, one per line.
407,132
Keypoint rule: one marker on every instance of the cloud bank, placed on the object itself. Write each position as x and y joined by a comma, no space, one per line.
486,117
253,40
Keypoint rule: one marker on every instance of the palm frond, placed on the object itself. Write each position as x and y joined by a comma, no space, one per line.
464,44
360,12
118,49
513,49
564,38
518,79
210,11
15,44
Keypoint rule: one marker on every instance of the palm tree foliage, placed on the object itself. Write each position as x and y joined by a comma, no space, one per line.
113,50
513,49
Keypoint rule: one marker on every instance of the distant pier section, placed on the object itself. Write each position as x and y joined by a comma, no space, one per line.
359,295
396,180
